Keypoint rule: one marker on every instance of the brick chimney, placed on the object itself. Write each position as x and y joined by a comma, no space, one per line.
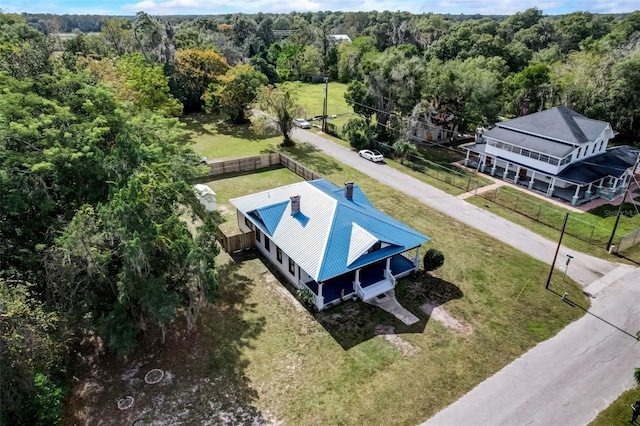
348,190
295,204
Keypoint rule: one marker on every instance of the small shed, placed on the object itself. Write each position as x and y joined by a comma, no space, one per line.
206,196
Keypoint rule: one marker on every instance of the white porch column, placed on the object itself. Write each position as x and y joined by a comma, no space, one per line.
599,187
356,283
552,186
587,194
615,184
515,179
387,273
533,175
506,171
466,160
320,298
493,166
575,198
416,260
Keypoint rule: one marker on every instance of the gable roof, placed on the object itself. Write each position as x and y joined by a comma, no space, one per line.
556,131
330,235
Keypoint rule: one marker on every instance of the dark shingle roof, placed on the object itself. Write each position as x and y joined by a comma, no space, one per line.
559,124
614,162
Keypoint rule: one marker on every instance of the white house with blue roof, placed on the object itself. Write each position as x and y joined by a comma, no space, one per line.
558,152
330,240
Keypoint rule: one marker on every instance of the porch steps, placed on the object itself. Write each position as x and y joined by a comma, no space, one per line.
376,289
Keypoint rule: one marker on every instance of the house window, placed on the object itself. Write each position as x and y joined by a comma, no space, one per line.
516,150
594,148
601,145
279,254
267,243
525,152
258,235
579,153
535,155
292,267
553,161
248,223
544,158
376,246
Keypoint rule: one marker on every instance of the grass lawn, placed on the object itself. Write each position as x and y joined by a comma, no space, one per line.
258,355
216,139
619,412
312,99
600,220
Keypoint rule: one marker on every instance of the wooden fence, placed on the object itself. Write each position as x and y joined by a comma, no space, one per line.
244,164
257,162
237,242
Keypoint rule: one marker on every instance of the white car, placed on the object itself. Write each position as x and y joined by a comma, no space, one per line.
371,155
302,123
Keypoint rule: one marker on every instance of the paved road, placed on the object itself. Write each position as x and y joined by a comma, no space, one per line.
566,380
584,268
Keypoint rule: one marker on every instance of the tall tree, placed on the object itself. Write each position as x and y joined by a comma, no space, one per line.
280,107
624,92
394,81
358,97
195,70
235,91
118,35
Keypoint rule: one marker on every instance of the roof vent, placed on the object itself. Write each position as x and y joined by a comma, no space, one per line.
295,204
348,190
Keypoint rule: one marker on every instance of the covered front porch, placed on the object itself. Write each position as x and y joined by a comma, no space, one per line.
570,190
367,282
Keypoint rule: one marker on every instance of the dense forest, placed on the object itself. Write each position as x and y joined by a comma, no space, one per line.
96,203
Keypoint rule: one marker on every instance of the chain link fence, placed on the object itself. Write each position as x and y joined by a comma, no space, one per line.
551,217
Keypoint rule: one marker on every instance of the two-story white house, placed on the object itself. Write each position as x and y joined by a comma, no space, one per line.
558,152
330,240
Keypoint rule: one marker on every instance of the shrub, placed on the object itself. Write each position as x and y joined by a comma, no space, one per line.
433,259
306,296
359,134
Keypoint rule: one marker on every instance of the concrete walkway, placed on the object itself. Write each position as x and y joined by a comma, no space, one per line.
566,380
390,304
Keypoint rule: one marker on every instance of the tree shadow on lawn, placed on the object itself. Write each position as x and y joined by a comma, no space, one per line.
204,378
353,322
196,125
310,157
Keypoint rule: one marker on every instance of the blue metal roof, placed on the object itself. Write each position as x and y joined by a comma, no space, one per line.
320,237
271,215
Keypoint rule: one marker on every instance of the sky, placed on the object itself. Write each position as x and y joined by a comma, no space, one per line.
208,7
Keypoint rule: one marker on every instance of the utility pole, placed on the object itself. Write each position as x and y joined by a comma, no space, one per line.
324,107
555,256
626,191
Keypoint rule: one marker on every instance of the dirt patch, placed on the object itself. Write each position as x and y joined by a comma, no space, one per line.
199,386
388,332
437,313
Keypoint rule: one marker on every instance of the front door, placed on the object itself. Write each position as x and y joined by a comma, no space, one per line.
523,174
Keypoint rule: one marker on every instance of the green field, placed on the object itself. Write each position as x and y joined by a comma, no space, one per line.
312,99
